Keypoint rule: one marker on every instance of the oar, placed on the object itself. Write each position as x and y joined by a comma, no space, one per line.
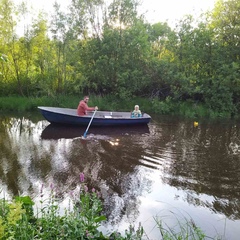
85,134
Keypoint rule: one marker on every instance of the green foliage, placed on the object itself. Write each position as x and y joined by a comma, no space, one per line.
190,109
3,58
27,205
130,234
20,104
18,221
163,107
13,103
187,231
81,221
123,55
181,228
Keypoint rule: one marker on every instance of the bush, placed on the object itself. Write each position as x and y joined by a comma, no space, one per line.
17,219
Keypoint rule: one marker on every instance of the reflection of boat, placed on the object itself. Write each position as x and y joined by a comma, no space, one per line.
56,131
101,118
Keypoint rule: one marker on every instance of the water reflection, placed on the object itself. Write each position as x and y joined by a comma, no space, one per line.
168,161
54,131
204,164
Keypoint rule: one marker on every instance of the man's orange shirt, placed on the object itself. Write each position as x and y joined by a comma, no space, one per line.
83,108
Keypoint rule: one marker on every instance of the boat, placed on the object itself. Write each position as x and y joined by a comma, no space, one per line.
59,131
101,118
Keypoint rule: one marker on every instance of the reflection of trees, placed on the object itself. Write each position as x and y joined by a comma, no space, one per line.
203,162
18,139
9,166
109,165
112,169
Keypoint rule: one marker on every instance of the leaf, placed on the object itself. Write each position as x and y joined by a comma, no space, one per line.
100,218
25,199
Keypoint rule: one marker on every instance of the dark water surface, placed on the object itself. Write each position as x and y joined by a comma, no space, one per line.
168,169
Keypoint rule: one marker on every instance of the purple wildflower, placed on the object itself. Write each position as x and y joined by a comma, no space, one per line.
71,194
51,186
81,177
41,190
93,190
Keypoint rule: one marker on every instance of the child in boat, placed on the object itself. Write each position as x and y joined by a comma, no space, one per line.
136,112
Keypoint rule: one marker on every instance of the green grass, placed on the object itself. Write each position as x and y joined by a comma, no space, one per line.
184,229
186,109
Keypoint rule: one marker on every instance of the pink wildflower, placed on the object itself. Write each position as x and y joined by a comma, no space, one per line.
98,194
51,186
71,194
41,191
81,177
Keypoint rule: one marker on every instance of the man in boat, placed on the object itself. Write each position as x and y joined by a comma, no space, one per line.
83,107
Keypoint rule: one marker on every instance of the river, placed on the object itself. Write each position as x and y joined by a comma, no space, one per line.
169,170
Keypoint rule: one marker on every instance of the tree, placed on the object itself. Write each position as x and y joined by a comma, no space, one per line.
225,23
116,61
59,32
8,37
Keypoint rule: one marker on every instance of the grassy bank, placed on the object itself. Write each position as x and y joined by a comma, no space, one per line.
187,109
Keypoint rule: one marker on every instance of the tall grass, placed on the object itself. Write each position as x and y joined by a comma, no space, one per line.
110,103
187,109
21,104
184,230
175,224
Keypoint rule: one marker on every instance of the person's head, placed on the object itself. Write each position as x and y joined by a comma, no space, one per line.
136,107
86,98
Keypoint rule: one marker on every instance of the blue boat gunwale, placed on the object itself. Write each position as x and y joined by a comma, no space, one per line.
69,116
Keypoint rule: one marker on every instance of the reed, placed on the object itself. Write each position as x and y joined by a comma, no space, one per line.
180,226
183,230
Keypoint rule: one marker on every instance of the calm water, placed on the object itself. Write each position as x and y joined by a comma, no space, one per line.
168,169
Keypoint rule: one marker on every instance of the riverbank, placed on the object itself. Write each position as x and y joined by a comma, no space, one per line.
187,109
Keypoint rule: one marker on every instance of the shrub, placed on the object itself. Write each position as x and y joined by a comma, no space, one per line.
17,219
